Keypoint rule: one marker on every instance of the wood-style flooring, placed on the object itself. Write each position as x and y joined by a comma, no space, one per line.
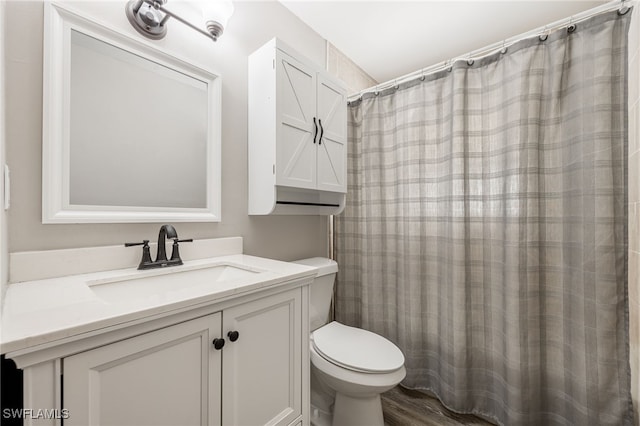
405,407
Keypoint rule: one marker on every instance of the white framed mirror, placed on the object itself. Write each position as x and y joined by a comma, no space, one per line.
130,133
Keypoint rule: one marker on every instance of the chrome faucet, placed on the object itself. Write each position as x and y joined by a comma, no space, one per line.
166,231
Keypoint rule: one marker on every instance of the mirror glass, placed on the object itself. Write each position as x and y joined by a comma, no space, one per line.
138,130
131,134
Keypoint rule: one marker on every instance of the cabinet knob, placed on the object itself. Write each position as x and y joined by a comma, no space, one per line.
233,335
218,343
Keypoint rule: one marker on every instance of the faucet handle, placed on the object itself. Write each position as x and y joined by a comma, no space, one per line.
143,243
175,252
146,253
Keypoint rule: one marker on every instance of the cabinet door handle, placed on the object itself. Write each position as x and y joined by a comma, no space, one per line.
233,335
321,131
315,126
218,343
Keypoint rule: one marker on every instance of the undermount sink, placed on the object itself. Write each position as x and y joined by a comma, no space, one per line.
162,283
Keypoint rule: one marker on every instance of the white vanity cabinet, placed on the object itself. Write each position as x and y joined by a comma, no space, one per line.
176,376
166,377
297,133
168,371
262,370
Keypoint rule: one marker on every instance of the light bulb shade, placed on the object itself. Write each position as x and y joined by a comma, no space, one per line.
217,11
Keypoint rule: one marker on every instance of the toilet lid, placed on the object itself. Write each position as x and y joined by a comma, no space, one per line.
356,349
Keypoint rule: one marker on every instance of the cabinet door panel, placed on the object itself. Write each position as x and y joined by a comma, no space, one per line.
166,377
332,151
262,370
300,153
296,106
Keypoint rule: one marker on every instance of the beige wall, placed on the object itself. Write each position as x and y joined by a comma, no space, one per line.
356,80
634,206
252,25
348,71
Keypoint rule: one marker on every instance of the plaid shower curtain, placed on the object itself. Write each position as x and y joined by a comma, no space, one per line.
485,231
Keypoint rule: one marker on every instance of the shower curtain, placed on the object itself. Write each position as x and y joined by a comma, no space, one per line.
485,231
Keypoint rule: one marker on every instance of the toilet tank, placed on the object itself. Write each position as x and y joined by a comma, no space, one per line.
321,290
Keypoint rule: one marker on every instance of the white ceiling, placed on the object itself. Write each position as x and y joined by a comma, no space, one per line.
388,39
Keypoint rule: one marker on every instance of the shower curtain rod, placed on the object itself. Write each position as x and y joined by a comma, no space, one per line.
495,47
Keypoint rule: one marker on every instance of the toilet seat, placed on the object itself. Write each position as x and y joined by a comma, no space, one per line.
356,349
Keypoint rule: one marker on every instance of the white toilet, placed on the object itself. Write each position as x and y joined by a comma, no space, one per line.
350,367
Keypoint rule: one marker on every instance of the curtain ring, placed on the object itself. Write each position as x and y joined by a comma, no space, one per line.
544,36
376,92
623,9
504,48
449,65
470,61
422,77
572,27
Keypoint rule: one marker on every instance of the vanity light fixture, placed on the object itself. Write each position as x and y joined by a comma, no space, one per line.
149,17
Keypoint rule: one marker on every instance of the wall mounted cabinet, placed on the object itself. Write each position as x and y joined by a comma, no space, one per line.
297,134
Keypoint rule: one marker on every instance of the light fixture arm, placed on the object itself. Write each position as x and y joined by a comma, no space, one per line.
144,16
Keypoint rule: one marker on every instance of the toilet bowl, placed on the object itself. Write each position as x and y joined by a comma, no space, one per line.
358,366
350,367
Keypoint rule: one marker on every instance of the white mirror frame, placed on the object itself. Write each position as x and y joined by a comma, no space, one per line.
59,21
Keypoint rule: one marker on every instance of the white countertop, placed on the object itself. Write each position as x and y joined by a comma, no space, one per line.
44,311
